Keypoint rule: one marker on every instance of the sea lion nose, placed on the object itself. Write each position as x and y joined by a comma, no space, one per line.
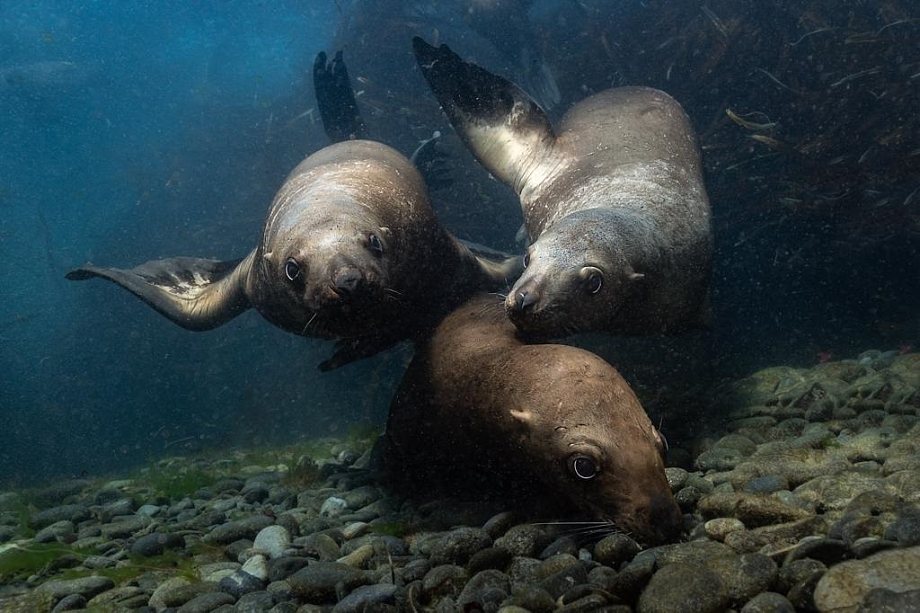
346,281
524,300
666,518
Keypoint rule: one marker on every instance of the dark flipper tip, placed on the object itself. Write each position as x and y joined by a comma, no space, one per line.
336,99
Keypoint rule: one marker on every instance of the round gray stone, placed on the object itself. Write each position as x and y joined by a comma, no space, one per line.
684,588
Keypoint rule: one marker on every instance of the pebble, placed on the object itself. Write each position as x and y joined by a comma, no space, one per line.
365,597
156,543
847,584
273,540
229,532
806,489
87,587
320,582
683,587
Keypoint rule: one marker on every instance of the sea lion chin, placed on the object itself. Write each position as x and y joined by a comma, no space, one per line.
478,405
613,200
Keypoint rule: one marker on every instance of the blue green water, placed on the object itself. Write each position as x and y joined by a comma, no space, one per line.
134,131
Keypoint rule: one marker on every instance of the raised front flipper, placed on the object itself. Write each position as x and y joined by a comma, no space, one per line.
195,293
336,99
501,125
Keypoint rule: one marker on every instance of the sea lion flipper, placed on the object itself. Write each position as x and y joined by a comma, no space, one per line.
431,161
336,99
502,126
195,293
352,350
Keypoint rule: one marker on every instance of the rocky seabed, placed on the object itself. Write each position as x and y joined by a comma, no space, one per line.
808,500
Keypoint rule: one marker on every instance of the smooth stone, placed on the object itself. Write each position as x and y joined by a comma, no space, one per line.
56,589
124,526
358,557
457,546
684,588
180,594
499,523
485,591
320,582
561,581
333,507
524,540
273,540
677,477
257,567
826,550
55,532
156,543
752,509
744,576
70,512
490,557
885,601
229,532
205,603
766,484
216,571
321,546
768,602
615,550
255,602
74,602
285,566
355,529
844,586
93,562
720,527
239,583
149,510
363,598
360,496
445,580
163,592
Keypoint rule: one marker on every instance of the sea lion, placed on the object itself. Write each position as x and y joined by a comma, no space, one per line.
614,203
477,399
351,250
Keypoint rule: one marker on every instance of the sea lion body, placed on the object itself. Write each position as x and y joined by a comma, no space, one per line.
476,398
350,250
613,201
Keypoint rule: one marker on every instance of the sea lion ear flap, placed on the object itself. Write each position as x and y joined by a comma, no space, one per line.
501,125
194,293
523,419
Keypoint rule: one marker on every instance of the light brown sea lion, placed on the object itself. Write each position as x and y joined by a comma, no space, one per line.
477,399
351,250
613,201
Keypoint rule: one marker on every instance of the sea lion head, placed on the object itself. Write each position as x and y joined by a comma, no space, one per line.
592,442
577,276
327,261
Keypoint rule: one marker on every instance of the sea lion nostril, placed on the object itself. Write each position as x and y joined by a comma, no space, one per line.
346,282
525,301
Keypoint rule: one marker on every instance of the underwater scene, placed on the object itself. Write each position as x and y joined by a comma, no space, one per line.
460,305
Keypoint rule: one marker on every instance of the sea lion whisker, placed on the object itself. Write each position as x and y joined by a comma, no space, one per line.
306,327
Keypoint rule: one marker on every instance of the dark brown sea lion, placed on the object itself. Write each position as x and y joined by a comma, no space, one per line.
476,398
614,203
351,250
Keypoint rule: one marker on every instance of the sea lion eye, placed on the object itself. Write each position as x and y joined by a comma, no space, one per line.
376,246
526,260
584,467
594,282
292,269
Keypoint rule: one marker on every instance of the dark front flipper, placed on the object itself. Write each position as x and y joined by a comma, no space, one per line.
336,99
197,294
501,125
431,161
352,350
